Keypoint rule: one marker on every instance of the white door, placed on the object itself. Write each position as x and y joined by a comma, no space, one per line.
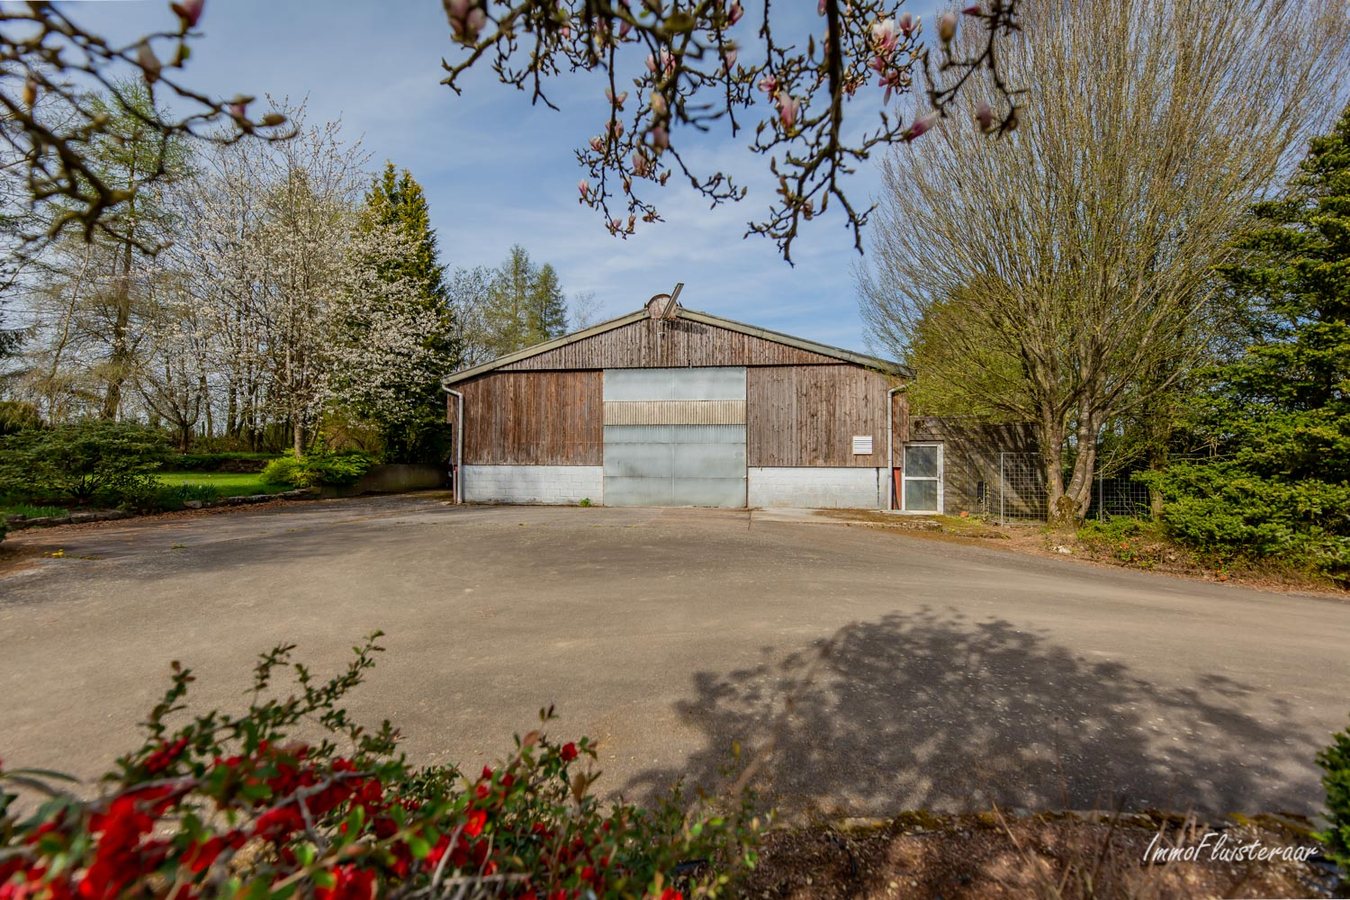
922,478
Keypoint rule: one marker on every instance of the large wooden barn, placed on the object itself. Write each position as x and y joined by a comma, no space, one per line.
671,407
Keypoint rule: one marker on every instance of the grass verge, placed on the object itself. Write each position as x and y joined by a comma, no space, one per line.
225,484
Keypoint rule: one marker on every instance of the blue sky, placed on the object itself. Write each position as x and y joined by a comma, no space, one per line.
498,171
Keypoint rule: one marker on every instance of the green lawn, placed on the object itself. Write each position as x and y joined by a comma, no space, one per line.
226,484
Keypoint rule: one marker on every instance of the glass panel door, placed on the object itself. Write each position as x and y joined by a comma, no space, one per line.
923,478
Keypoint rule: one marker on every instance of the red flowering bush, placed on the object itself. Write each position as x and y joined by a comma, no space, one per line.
226,806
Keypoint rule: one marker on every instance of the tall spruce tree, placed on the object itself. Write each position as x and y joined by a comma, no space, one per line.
547,314
395,200
1279,411
525,304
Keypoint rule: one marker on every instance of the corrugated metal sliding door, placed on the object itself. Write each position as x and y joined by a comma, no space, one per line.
675,437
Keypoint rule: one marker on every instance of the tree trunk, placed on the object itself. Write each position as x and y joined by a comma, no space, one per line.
117,373
1068,510
1050,436
298,435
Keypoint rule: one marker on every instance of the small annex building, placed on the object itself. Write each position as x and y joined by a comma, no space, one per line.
671,407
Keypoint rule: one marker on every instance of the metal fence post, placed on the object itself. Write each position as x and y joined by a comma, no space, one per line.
1002,493
1101,497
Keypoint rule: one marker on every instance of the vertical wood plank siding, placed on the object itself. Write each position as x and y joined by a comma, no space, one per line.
808,415
900,422
534,419
675,343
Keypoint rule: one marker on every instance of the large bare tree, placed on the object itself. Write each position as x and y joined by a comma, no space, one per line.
1062,275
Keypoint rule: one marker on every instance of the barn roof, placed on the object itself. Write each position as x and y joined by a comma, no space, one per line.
848,356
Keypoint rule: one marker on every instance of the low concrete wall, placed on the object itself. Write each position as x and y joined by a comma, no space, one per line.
817,487
534,484
397,478
394,478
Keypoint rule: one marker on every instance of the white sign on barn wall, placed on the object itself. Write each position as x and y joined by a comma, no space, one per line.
862,445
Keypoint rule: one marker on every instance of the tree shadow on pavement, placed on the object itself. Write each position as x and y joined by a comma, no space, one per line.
938,711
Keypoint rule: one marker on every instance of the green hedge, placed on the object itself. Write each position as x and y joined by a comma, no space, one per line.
220,462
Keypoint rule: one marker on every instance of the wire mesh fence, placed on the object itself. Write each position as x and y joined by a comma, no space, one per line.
1119,495
1020,492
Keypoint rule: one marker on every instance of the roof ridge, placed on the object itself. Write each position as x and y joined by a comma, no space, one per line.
681,312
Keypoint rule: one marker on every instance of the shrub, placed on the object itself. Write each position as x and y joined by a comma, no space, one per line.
83,462
282,470
318,469
1227,512
218,805
1335,762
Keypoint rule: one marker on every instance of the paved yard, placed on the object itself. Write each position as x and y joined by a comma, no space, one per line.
969,674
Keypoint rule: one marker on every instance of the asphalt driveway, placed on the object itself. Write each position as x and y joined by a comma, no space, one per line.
959,674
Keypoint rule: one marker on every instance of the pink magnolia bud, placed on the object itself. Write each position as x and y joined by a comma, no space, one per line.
617,101
659,106
659,137
729,59
625,27
584,187
820,7
651,63
149,63
616,225
768,84
565,31
642,166
947,27
734,14
616,128
597,144
972,10
920,126
984,115
788,107
466,19
189,11
239,109
907,23
883,35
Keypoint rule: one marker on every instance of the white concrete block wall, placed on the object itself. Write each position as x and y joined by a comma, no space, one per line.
534,484
817,487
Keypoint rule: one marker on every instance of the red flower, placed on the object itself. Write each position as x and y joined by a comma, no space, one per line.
474,826
671,894
350,883
162,758
568,752
277,824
